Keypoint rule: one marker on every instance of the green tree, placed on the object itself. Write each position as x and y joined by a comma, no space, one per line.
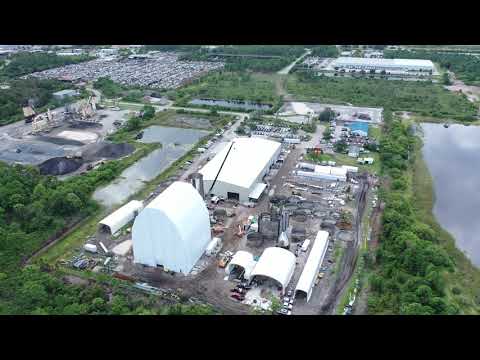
446,79
327,115
148,112
341,147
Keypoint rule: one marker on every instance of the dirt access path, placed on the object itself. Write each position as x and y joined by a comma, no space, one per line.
350,257
472,92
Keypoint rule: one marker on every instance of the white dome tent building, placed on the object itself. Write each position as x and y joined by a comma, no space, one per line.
173,230
275,264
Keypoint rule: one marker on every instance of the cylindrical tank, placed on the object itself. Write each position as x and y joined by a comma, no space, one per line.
197,181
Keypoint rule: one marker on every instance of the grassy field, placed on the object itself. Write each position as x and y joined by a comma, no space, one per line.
463,285
230,86
422,98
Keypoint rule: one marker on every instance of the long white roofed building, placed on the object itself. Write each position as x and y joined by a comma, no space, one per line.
173,230
314,262
240,174
359,63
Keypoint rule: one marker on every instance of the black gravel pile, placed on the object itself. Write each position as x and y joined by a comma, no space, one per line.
115,150
59,166
103,150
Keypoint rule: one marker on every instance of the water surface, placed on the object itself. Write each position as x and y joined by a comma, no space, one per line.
245,105
453,159
175,142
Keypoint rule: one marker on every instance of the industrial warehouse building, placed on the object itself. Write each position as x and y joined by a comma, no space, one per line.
314,263
275,264
121,217
173,231
239,175
383,64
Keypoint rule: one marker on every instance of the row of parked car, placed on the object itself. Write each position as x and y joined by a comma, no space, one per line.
163,70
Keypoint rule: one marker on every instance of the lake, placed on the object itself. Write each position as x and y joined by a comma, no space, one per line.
233,104
176,142
453,159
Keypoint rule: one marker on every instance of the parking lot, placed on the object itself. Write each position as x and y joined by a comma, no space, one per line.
162,70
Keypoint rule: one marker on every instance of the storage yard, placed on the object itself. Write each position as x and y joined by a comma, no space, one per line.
161,70
291,238
62,141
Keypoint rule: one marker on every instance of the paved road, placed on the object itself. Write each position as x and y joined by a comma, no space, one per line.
287,69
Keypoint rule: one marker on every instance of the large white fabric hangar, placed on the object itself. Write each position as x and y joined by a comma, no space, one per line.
237,171
173,231
276,265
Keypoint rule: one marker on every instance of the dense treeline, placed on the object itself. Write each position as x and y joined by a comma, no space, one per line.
422,97
327,51
276,56
409,261
465,67
21,91
33,208
181,48
108,87
27,63
43,291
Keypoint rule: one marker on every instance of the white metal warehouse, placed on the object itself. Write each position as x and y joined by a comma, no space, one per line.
173,230
118,219
277,264
314,262
383,64
322,172
241,174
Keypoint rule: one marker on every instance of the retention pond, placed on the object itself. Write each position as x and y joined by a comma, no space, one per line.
175,142
232,104
453,156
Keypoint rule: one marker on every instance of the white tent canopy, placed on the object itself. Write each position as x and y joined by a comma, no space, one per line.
173,230
314,262
243,259
118,219
275,263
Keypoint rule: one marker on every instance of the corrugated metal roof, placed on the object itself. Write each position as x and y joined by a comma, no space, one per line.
246,160
342,61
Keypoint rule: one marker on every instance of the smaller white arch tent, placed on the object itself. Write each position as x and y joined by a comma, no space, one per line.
119,218
242,259
277,264
314,262
173,230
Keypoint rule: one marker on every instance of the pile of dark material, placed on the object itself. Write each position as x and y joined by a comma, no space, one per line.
298,234
59,166
115,150
85,125
105,150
